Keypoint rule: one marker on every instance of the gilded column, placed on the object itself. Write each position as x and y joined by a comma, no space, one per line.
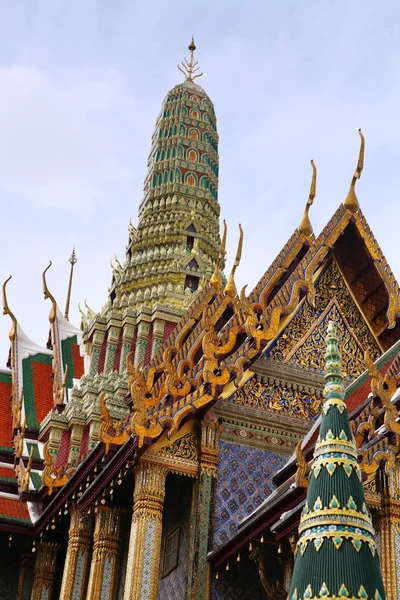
199,579
112,342
44,574
77,560
158,336
55,432
104,566
141,342
390,546
141,581
25,576
98,339
127,338
76,439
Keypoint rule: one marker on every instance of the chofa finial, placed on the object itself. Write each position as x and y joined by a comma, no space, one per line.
216,280
48,294
305,226
351,202
230,288
7,311
190,68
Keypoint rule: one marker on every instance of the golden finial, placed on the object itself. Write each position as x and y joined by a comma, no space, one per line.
305,226
189,68
73,260
216,280
47,294
351,202
7,311
230,289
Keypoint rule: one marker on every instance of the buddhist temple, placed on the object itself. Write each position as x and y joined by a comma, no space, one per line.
192,441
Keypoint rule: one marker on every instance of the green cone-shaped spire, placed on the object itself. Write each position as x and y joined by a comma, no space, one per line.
336,554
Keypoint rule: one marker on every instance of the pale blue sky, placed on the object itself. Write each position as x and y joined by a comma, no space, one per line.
81,85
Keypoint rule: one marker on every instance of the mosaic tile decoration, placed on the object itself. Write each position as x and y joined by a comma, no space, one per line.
238,584
244,481
397,546
78,576
174,585
148,558
106,581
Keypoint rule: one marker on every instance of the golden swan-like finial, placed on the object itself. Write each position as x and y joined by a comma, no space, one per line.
305,226
230,289
47,294
216,280
351,202
7,311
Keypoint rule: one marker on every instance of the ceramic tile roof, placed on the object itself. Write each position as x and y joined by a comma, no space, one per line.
14,510
5,411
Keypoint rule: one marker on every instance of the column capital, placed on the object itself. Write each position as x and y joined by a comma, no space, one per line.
45,569
209,450
149,491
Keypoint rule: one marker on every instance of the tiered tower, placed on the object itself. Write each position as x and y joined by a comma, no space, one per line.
336,552
173,251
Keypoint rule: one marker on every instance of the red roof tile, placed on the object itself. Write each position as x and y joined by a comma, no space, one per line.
5,415
14,509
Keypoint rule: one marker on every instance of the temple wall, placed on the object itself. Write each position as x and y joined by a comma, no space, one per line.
244,481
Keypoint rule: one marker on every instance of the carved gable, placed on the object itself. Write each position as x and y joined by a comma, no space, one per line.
302,341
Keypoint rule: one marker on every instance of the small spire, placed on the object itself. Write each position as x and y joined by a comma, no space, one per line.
351,202
189,68
336,555
73,260
216,280
305,225
230,289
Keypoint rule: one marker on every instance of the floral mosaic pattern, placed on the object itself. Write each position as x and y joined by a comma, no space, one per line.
244,481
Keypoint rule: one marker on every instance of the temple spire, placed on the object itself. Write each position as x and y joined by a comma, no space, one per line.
305,225
73,260
336,555
351,202
189,68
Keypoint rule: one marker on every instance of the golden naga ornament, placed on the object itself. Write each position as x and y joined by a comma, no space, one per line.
51,476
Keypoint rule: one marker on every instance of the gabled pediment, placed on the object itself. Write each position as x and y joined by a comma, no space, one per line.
302,341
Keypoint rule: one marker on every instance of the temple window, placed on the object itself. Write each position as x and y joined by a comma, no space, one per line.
171,552
191,282
193,265
194,134
192,155
189,243
191,180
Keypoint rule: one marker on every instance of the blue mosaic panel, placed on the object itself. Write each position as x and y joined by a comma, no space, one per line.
244,481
